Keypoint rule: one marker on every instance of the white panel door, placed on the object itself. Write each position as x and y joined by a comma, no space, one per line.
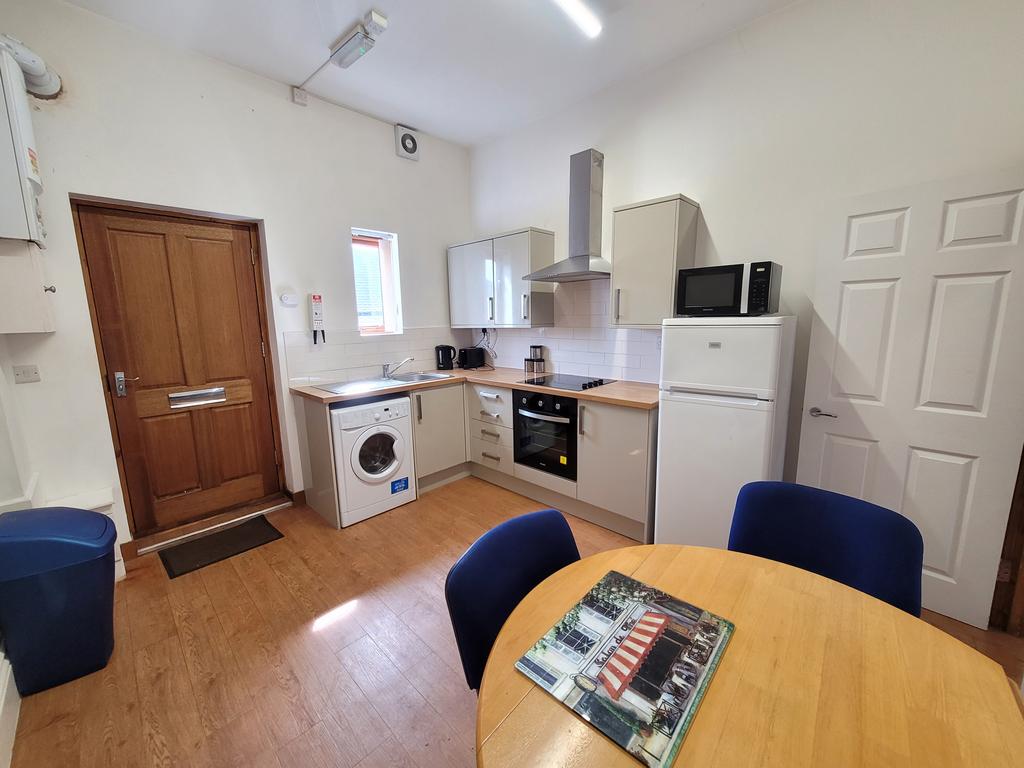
916,361
471,284
511,292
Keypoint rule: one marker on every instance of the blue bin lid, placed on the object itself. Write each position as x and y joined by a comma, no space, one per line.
34,541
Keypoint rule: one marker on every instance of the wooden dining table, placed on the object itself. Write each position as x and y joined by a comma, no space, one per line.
816,674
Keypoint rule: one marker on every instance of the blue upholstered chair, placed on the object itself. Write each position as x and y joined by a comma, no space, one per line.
496,573
862,545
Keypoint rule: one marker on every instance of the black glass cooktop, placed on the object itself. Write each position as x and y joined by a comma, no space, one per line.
565,381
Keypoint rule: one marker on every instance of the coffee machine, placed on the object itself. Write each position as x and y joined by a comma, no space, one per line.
444,357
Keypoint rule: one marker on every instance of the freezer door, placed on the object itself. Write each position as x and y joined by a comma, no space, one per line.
737,359
708,448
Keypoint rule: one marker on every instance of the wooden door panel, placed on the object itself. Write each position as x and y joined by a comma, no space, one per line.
146,298
235,441
171,455
221,331
177,308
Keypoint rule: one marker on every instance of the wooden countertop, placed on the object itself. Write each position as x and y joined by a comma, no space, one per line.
630,394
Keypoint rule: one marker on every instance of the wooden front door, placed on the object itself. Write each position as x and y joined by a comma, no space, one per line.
178,312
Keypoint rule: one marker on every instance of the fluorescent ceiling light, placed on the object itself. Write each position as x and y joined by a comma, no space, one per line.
581,16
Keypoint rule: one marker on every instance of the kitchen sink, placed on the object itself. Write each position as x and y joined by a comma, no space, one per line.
356,387
411,378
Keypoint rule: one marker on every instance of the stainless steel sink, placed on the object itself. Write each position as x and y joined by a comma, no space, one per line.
411,378
356,387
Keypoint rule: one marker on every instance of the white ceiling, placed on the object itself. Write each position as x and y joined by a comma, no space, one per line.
465,70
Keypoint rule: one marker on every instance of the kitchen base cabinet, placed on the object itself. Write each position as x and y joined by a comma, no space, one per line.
439,428
616,450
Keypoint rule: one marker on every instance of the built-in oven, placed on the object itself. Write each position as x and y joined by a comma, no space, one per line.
544,430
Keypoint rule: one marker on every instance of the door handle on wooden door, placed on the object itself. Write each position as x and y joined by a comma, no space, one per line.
816,412
121,383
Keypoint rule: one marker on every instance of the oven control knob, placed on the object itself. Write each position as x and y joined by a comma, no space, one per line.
558,406
588,384
524,401
599,382
540,403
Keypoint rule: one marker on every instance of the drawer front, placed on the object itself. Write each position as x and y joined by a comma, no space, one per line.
490,433
491,405
497,457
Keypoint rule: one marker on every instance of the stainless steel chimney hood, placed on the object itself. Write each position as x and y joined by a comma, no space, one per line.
586,182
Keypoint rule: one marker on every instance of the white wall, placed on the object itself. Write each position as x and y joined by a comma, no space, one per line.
825,99
144,122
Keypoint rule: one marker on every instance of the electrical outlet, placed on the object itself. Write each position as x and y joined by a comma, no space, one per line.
26,374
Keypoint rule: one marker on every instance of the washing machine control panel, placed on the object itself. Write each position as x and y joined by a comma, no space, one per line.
374,413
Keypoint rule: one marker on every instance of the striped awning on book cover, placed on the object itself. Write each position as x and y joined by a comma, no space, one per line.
623,664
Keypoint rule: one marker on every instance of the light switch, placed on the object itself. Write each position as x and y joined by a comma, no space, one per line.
26,374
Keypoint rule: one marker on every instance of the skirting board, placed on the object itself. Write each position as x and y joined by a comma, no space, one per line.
602,517
10,705
443,477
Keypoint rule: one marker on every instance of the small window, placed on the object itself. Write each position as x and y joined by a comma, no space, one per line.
378,288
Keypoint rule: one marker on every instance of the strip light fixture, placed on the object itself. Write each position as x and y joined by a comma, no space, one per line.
581,16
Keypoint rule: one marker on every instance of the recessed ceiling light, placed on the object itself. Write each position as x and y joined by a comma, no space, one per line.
581,16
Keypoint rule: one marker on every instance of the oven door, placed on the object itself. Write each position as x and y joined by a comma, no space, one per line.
546,441
710,291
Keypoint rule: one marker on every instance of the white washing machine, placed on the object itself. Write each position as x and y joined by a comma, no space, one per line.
373,458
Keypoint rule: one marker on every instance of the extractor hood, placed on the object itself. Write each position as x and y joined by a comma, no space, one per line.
586,180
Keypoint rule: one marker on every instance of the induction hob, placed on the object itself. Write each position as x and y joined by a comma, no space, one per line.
566,381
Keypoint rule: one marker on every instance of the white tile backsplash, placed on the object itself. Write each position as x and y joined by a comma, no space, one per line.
581,342
347,356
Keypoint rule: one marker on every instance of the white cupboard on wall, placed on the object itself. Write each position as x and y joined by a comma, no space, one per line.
485,281
25,296
616,452
439,429
651,241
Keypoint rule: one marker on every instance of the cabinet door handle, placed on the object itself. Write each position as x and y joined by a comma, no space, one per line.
490,307
526,306
488,413
495,435
579,420
618,297
419,408
490,396
490,456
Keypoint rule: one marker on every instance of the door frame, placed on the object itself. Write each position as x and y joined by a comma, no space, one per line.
258,236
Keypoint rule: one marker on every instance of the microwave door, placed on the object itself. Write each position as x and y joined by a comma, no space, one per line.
711,291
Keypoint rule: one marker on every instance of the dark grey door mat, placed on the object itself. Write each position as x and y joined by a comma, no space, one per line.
197,553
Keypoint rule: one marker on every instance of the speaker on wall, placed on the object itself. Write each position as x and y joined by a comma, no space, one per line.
407,143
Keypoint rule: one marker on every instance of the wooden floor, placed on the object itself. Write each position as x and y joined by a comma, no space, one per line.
324,648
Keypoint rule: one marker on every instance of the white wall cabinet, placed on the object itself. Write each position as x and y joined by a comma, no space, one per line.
486,286
25,305
651,241
439,428
616,450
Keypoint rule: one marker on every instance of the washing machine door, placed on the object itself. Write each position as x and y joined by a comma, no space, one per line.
377,454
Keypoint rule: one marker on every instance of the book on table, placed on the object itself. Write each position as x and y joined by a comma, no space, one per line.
632,661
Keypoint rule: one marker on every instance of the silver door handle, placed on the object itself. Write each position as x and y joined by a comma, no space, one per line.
195,397
490,396
419,408
490,456
490,307
488,413
526,306
495,435
816,412
582,408
121,383
544,416
618,297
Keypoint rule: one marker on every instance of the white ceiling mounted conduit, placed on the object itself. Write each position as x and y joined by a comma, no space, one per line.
40,80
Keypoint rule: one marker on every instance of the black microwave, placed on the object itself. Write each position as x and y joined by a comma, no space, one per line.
729,290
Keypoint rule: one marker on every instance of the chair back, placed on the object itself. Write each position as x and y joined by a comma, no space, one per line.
851,541
496,573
